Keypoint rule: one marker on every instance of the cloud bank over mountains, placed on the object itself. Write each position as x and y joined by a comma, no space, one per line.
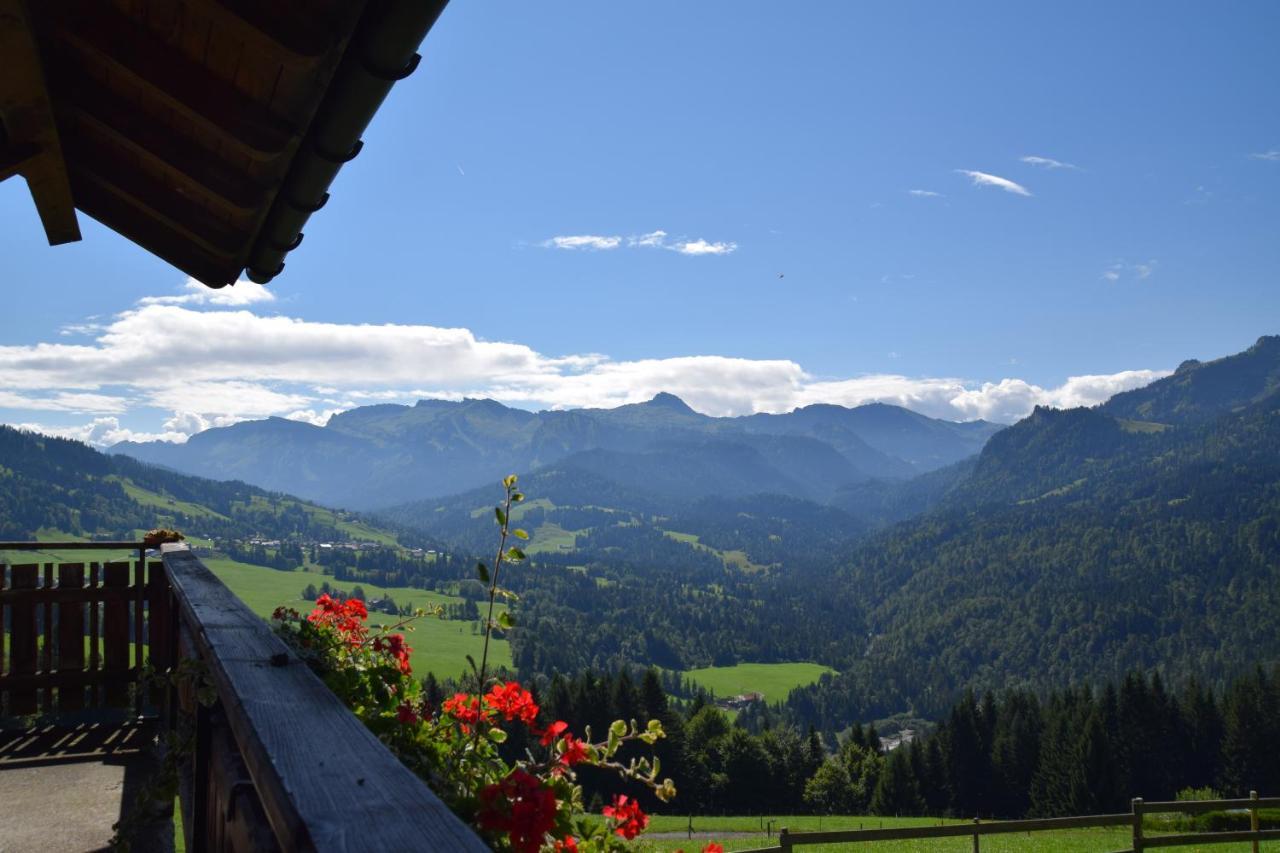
205,358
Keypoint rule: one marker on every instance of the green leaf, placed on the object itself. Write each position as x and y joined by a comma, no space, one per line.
515,554
505,620
501,516
472,661
509,481
517,497
618,729
520,534
482,572
497,736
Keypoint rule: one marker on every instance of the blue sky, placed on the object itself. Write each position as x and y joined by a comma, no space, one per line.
777,149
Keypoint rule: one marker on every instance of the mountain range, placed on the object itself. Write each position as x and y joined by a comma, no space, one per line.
379,456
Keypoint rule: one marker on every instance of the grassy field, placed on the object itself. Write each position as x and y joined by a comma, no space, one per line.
169,505
439,646
734,558
669,833
551,537
774,680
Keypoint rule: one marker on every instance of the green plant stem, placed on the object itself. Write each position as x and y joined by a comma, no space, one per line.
493,588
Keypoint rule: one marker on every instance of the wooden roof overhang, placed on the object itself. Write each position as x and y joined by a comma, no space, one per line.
205,131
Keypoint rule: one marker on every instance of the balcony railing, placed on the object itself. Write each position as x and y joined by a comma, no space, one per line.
278,761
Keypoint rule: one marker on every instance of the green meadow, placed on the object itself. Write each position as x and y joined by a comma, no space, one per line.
774,680
439,646
668,833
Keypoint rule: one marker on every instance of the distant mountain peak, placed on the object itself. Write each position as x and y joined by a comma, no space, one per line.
671,402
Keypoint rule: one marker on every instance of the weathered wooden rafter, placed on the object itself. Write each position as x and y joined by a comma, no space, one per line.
30,145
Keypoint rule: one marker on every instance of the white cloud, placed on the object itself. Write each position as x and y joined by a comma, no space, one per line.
652,240
1047,162
583,241
101,432
213,368
1137,271
194,293
311,416
924,193
702,247
982,179
1272,155
65,401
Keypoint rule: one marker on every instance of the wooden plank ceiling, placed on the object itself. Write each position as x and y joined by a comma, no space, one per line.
177,122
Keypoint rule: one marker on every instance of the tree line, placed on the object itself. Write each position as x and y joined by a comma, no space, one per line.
1009,755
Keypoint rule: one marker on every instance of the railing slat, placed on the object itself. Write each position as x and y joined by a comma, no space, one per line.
115,637
70,636
22,640
46,653
1153,841
95,656
324,780
4,581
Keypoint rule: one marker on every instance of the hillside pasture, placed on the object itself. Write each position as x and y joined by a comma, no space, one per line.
439,646
668,833
774,680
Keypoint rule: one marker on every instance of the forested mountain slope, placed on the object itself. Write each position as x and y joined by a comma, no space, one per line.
1079,547
53,488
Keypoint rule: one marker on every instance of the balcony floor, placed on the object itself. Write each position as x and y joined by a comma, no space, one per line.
63,786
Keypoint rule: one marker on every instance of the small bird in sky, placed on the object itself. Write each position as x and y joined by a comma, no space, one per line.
782,275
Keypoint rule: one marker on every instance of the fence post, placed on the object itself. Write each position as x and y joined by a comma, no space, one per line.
1137,825
784,840
976,848
1253,819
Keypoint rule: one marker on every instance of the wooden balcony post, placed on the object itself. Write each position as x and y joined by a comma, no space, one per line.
1253,819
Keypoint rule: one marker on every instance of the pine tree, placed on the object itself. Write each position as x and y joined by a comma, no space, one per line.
896,791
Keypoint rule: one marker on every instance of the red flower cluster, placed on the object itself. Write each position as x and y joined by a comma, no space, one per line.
575,751
712,847
570,845
513,702
521,806
627,814
406,714
552,732
395,646
345,616
466,710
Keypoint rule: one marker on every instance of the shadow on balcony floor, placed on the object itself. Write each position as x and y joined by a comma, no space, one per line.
63,786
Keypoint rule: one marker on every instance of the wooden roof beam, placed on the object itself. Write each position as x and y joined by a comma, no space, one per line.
122,215
30,141
119,119
99,31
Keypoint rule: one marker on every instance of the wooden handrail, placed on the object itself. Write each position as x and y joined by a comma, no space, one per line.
788,841
72,546
323,780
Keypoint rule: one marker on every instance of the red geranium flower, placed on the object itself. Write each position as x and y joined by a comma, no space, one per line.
513,702
570,845
521,806
626,812
395,646
552,732
465,709
347,617
575,751
406,714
